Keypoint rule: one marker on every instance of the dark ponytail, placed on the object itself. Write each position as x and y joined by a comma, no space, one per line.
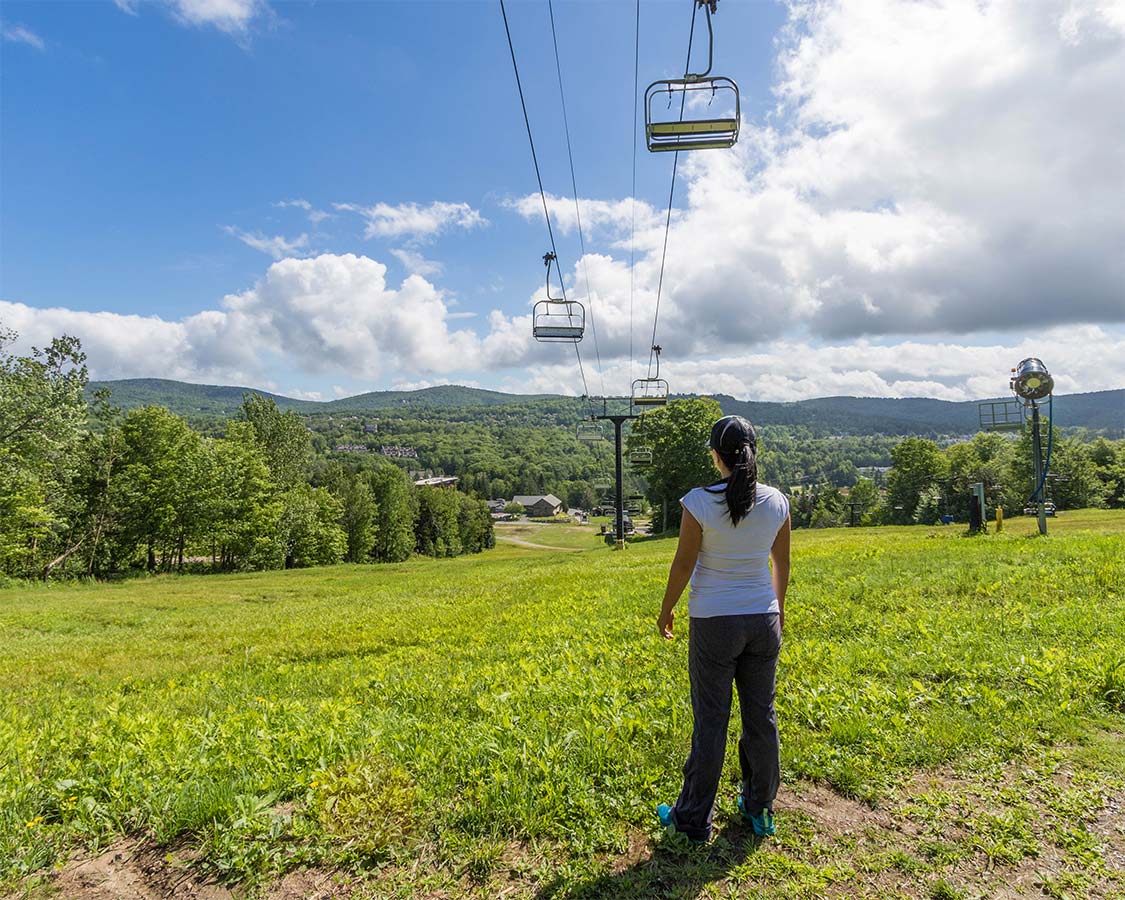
741,490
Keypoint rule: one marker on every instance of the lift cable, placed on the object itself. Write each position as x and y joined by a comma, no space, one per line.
671,195
577,210
539,177
633,190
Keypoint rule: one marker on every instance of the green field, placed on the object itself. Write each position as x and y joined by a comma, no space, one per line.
952,713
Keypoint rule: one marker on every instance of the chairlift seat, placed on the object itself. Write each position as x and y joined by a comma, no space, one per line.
640,456
707,133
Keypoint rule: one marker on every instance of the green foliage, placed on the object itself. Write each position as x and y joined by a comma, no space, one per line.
308,529
158,489
917,465
396,506
864,496
365,805
358,517
514,509
676,434
283,437
242,518
42,414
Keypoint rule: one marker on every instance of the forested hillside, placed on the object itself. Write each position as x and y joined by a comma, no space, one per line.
1101,412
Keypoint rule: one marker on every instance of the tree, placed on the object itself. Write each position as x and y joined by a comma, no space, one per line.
242,519
42,422
1072,482
396,505
676,434
514,509
863,498
282,436
358,513
475,523
437,527
308,528
1108,458
916,464
156,493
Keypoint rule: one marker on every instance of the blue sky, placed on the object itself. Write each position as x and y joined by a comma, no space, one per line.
147,147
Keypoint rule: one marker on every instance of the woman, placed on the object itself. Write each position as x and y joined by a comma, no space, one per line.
737,609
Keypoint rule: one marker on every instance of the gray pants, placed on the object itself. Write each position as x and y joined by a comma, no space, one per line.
722,650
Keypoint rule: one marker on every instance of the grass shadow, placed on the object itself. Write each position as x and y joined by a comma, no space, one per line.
677,869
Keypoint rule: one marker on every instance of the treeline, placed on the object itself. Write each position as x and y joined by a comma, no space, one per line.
86,490
494,458
926,482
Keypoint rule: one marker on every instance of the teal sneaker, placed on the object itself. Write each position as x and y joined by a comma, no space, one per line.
664,814
763,823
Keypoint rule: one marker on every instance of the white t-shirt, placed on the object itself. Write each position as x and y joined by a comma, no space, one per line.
732,575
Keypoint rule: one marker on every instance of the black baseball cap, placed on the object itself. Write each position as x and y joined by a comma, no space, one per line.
730,433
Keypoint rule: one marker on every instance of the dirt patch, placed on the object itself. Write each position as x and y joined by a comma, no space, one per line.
306,885
638,851
133,870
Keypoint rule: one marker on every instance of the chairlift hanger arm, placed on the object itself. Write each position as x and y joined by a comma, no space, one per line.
710,6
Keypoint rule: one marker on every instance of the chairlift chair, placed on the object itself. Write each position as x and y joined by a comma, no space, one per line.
602,484
640,456
589,432
650,392
709,132
556,319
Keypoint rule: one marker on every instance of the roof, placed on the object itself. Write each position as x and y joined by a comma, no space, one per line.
532,499
436,482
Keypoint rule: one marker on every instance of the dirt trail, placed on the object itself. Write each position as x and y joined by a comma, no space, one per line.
522,543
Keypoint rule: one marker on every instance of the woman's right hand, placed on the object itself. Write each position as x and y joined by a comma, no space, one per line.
664,624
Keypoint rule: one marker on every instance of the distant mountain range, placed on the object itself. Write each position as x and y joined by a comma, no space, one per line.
1102,411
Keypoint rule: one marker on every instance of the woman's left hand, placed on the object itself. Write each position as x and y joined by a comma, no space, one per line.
664,624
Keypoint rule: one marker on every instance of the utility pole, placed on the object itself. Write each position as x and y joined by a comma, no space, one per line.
1040,481
618,420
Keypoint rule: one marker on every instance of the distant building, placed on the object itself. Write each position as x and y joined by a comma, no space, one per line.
398,452
539,505
439,481
351,448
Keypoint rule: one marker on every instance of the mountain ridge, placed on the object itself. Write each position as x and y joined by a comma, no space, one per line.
1097,410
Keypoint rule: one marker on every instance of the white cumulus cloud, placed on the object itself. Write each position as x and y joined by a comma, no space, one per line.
412,220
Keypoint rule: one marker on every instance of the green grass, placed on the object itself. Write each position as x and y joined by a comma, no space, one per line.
513,719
